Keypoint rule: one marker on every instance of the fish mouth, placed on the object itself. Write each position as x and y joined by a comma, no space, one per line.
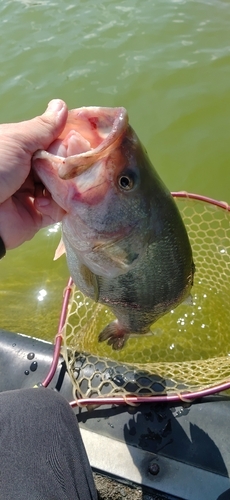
89,135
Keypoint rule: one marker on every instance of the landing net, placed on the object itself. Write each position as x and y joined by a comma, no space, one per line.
189,349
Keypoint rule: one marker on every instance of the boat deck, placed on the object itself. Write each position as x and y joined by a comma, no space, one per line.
147,452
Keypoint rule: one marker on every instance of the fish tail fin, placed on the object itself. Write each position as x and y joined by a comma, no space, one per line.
115,334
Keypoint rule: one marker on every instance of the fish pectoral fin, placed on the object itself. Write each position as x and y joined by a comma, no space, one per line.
96,285
115,334
91,281
114,252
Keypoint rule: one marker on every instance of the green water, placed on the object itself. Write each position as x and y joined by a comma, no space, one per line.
167,62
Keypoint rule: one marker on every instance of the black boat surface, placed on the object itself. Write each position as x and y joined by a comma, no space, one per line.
158,450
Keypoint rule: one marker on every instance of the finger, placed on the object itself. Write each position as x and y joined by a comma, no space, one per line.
41,131
49,210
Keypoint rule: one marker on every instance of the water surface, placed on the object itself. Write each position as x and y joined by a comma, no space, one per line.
167,62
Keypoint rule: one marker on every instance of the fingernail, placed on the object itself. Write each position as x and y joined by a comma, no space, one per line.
55,105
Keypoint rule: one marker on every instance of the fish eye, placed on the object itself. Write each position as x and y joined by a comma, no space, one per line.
126,181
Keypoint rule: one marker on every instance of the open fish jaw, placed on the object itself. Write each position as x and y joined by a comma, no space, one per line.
95,131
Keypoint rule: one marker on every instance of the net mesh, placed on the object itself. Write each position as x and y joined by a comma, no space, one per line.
188,348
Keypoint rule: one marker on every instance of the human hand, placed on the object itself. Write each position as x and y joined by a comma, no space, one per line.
25,206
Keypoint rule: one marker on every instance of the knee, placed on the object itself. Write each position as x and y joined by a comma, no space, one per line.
33,401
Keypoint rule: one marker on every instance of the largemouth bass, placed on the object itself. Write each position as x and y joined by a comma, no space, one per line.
125,241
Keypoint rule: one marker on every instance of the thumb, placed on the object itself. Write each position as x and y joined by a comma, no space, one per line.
44,129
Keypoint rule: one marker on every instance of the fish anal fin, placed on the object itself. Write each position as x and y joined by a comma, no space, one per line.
188,301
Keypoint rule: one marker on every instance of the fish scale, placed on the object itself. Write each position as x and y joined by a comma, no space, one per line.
125,241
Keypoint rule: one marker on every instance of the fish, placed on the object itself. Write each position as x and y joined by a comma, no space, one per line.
125,241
